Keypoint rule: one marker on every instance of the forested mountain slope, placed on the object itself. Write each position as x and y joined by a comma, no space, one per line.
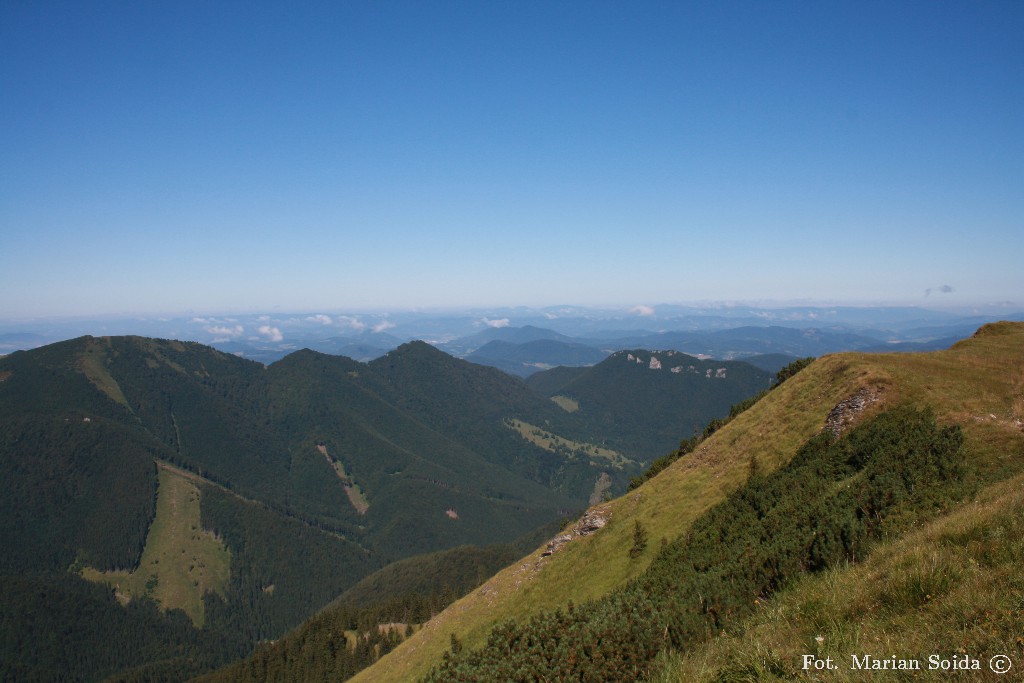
140,477
886,443
656,397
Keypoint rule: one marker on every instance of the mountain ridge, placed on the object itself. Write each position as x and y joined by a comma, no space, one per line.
769,432
272,456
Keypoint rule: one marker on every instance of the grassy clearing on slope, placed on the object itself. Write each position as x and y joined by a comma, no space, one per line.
569,405
355,494
93,363
181,561
553,443
953,588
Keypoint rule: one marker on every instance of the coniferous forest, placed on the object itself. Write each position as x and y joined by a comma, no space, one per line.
348,466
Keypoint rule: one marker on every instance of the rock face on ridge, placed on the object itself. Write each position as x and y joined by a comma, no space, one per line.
846,411
593,520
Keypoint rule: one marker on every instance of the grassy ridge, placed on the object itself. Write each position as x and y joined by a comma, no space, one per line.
978,384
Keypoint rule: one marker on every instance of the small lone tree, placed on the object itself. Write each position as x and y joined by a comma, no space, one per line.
456,644
639,540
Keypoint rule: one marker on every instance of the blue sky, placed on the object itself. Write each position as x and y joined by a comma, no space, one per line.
219,156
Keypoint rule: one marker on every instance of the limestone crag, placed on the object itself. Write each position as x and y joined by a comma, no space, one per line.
846,411
592,521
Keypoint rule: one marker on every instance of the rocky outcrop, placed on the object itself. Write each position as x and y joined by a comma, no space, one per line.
846,411
593,520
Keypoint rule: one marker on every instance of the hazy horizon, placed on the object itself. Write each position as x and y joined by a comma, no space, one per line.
639,309
225,157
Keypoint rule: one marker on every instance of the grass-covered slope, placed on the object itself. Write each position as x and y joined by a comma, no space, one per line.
834,501
175,534
949,591
978,384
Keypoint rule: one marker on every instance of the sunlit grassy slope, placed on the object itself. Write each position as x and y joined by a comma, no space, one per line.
949,591
979,383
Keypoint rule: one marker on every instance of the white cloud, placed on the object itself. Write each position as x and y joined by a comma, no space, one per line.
383,325
320,318
351,321
500,322
640,309
271,333
222,333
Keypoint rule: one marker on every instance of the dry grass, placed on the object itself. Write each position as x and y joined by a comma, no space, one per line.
953,588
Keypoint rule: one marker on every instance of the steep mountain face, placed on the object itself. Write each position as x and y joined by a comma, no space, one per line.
656,398
177,476
869,499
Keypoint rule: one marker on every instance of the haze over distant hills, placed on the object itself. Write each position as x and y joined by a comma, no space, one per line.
696,330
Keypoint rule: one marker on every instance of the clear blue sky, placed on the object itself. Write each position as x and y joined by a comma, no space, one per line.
219,156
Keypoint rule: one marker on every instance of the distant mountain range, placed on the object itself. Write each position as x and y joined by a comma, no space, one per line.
546,349
344,464
532,356
364,336
356,348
